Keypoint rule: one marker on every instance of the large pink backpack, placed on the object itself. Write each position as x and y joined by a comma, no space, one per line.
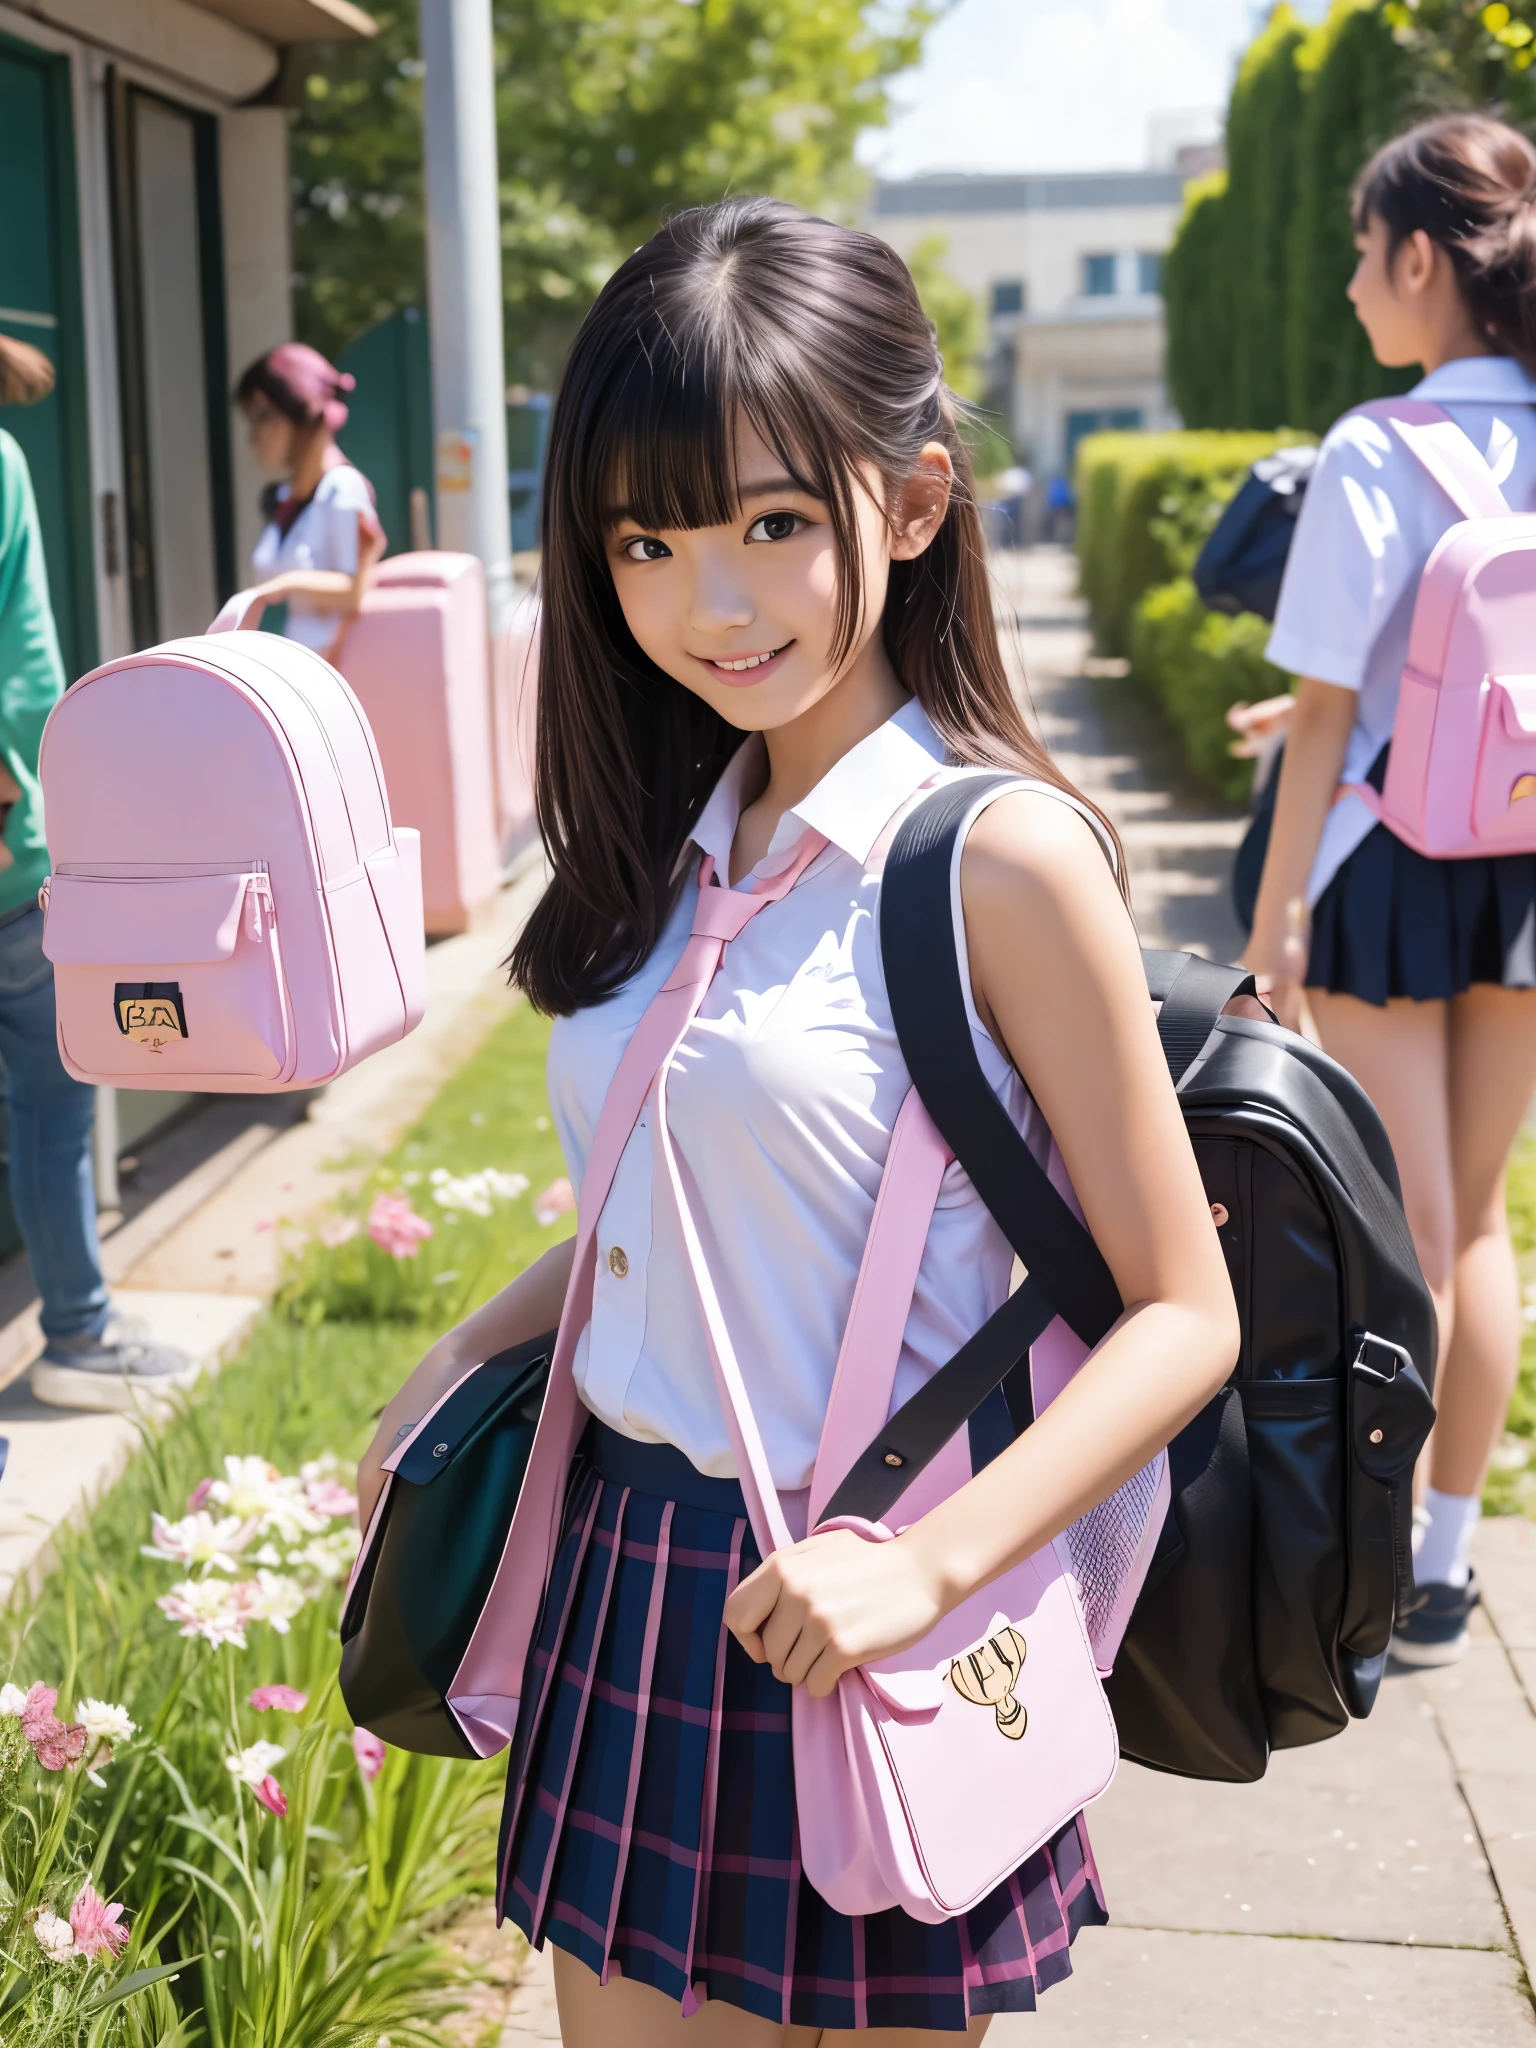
1461,777
230,906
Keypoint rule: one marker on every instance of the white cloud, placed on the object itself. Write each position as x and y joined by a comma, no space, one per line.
1057,84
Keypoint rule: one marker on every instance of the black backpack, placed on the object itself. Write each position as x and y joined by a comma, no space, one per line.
1241,564
1266,1615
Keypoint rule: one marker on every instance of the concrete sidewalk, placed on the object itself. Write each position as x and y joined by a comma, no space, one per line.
1381,1886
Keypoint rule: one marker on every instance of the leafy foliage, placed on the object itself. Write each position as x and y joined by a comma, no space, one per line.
611,114
1194,665
1201,330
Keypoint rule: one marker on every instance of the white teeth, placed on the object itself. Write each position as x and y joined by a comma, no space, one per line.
751,661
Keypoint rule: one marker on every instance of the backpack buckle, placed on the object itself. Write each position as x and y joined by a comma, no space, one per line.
1386,1370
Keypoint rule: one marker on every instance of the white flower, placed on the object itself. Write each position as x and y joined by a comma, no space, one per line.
209,1608
103,1722
271,1597
476,1193
12,1699
200,1538
326,1560
256,1491
251,1765
268,1554
56,1935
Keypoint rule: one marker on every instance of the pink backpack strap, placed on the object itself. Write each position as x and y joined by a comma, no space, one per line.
1439,446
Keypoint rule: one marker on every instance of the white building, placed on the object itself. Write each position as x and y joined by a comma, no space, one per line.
1069,266
144,245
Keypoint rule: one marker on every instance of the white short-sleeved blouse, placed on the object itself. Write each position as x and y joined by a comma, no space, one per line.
782,1100
1368,525
324,536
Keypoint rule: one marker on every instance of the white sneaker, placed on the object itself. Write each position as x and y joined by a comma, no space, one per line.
119,1372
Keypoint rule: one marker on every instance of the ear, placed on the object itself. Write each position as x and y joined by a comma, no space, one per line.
1416,262
921,503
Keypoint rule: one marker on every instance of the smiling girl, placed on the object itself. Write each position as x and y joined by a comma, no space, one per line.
767,630
1421,974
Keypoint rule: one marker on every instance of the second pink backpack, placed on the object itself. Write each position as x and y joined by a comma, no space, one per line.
1461,776
230,907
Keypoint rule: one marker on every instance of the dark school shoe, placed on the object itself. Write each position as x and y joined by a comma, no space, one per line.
1436,1632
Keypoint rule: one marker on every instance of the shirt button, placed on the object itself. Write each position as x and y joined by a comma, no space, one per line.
618,1262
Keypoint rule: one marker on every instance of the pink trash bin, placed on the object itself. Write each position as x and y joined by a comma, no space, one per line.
418,657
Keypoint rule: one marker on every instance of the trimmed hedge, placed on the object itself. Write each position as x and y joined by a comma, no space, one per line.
1194,664
1145,505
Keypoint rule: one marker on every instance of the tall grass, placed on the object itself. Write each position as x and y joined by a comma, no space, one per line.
314,1929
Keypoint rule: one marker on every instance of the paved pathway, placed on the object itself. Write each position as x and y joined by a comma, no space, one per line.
1381,1886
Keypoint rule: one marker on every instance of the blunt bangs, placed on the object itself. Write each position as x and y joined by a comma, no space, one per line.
662,442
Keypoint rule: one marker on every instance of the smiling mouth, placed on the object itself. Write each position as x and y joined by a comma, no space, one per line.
742,664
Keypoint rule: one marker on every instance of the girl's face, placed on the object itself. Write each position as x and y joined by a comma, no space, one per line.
271,434
1397,297
745,615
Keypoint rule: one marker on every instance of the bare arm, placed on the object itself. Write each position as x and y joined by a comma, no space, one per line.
1058,979
525,1308
1309,777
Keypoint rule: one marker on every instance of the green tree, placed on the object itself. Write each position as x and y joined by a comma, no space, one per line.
959,321
1360,88
1263,124
1199,307
612,114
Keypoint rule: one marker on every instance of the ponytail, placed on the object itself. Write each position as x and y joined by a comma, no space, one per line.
1469,182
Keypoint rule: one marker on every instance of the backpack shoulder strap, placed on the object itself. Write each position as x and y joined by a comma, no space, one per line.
1440,447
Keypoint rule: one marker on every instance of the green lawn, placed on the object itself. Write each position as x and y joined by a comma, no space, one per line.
1511,1488
318,1929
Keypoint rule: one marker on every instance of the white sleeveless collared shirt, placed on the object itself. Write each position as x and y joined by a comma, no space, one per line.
783,1095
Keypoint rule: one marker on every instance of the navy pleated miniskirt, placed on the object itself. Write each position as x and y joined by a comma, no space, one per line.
1392,922
650,1824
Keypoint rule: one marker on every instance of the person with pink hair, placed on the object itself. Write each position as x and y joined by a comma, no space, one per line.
322,536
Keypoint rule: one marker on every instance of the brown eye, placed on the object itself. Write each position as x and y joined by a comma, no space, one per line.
776,526
646,548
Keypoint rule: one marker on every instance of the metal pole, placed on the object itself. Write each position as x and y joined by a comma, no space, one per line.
469,404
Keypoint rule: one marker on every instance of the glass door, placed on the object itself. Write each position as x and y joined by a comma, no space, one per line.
170,294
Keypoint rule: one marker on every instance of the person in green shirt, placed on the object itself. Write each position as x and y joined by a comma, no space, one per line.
93,1358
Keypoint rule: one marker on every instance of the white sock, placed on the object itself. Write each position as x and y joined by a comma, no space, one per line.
1440,1555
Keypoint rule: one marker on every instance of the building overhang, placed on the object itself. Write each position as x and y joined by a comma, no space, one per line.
295,21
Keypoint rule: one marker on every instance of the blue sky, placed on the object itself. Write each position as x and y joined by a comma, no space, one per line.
1059,84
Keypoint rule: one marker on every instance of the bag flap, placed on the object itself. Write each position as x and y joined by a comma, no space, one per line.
513,1380
1517,694
142,920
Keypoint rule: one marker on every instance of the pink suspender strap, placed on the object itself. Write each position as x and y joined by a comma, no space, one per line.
487,1686
1435,441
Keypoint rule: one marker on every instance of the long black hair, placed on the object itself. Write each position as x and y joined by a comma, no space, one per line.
748,310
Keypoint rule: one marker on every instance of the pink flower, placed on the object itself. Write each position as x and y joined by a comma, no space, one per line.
337,1231
96,1926
272,1796
283,1697
557,1200
198,1497
369,1752
330,1497
55,1743
395,1227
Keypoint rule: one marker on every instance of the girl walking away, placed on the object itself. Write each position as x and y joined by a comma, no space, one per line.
1419,972
322,535
767,631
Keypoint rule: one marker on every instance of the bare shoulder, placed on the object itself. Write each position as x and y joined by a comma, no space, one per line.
1029,852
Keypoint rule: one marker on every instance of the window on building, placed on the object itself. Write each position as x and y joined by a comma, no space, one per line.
1099,277
1007,297
1149,272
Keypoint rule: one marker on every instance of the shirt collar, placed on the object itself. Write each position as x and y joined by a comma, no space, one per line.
1479,380
851,805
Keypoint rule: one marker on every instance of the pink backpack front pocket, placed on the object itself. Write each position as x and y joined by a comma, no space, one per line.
164,979
1504,795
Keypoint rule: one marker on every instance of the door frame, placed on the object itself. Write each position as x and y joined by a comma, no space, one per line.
122,88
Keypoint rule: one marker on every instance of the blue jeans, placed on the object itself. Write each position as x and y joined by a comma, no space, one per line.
53,1187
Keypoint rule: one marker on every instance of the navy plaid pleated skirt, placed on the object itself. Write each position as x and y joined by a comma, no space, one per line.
650,1824
1393,922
